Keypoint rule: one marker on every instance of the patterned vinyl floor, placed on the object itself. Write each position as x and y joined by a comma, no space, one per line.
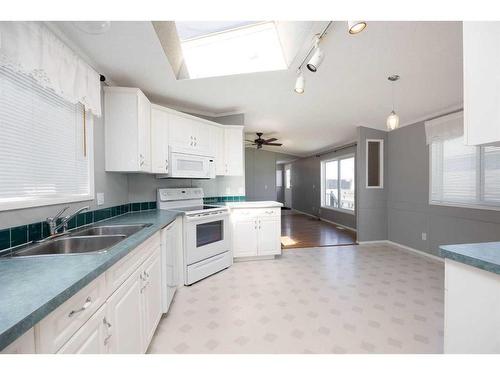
348,299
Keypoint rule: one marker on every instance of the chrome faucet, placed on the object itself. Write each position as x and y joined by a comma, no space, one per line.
52,221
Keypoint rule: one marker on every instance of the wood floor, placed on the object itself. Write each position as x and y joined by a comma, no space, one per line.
298,230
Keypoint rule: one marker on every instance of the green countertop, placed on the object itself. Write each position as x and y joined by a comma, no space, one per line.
485,256
33,287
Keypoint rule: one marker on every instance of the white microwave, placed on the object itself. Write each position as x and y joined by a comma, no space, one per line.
182,165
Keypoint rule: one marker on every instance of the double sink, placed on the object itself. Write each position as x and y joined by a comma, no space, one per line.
90,239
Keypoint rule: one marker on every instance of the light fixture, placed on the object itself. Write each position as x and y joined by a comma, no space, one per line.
355,27
300,82
393,118
316,58
93,27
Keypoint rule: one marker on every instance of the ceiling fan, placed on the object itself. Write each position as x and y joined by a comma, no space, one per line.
259,142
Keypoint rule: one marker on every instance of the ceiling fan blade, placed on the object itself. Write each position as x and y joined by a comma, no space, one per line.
271,140
274,144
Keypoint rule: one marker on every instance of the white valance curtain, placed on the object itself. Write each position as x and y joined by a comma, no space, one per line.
445,127
31,48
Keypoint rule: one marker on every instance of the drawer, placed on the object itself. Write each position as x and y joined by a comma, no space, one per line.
256,212
119,272
207,267
54,330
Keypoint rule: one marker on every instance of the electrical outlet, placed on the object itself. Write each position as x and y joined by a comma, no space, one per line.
424,236
100,199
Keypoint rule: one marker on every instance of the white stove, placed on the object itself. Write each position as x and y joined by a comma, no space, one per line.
206,245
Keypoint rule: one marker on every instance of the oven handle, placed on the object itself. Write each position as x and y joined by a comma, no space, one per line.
211,217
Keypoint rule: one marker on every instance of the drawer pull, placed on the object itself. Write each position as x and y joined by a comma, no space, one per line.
85,306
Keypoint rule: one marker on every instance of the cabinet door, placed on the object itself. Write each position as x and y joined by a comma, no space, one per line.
144,132
202,138
481,51
23,345
125,314
245,237
151,296
269,236
233,150
159,140
91,338
217,149
181,133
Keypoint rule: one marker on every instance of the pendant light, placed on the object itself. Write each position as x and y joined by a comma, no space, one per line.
393,118
300,82
355,27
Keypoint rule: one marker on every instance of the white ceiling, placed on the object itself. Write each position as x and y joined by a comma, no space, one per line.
349,89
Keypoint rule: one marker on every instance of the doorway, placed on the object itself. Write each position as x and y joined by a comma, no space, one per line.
288,186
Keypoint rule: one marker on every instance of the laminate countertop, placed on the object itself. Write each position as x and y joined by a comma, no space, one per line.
485,256
33,287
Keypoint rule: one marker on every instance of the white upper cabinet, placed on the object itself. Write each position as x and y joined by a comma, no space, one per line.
159,139
127,130
233,151
481,51
189,135
140,136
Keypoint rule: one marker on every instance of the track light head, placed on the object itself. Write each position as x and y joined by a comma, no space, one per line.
355,27
316,59
300,83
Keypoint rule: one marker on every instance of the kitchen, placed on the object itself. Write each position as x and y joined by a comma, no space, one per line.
165,202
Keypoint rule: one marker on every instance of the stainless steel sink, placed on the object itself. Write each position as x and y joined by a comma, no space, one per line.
103,230
91,239
71,245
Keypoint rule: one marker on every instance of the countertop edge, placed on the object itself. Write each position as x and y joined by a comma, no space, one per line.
468,260
12,333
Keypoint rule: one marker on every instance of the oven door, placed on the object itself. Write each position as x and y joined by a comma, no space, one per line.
206,236
191,166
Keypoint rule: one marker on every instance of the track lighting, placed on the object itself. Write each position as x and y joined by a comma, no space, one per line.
317,57
300,83
355,27
393,118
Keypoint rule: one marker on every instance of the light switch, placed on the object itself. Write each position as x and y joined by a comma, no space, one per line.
424,236
100,199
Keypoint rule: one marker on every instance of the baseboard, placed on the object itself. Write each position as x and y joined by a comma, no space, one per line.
252,258
328,221
404,248
339,225
416,251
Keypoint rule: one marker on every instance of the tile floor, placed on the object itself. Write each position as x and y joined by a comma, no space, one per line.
348,299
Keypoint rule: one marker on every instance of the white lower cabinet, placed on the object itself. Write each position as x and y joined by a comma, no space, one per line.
92,338
256,232
151,298
125,315
116,313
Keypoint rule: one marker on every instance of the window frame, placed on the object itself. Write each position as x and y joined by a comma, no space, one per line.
323,173
49,201
381,164
480,184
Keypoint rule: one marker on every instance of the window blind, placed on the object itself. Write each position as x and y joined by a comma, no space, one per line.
464,175
42,156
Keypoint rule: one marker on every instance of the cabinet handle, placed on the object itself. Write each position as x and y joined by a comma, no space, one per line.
106,339
195,143
87,303
146,273
144,287
106,323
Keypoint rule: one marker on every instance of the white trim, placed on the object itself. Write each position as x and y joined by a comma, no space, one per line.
321,219
338,224
381,162
465,205
343,210
416,251
404,248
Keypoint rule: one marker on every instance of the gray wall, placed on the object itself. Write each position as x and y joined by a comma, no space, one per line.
306,188
113,185
371,203
409,212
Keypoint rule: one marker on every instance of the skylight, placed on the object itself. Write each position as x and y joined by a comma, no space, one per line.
212,49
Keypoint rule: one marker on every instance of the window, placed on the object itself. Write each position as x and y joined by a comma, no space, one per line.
337,184
374,163
463,175
279,177
46,152
213,49
288,181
